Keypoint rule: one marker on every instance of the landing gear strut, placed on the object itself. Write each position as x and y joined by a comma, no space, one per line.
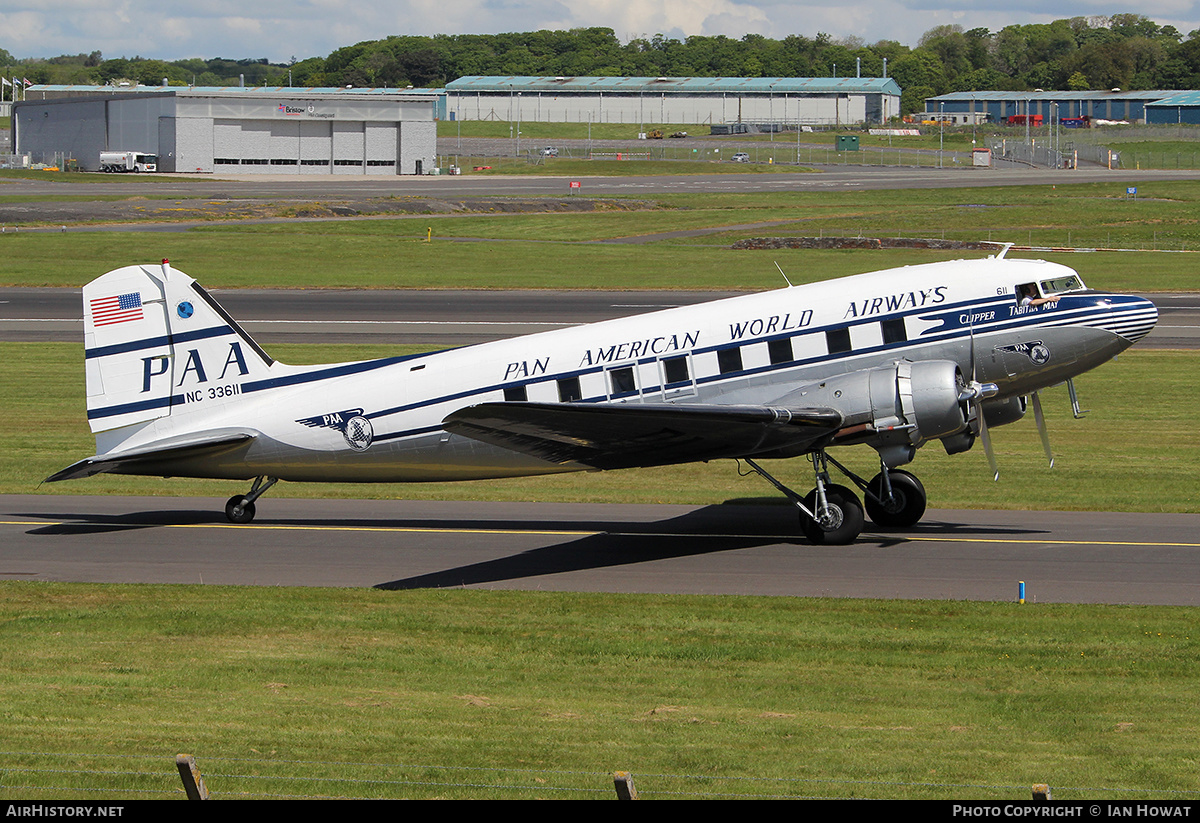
832,514
829,514
240,508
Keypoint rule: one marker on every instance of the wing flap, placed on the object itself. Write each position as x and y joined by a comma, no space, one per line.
171,448
619,436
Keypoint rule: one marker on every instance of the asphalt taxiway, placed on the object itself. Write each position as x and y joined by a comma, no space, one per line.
1079,557
440,318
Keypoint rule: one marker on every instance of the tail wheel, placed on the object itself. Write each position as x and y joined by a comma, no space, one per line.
843,521
906,506
239,509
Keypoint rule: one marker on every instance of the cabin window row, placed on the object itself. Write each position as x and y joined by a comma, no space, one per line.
679,374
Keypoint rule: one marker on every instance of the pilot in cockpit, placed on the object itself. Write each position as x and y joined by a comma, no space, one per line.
1027,295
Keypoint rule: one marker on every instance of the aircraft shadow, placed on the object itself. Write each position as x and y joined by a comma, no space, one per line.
83,523
703,531
708,530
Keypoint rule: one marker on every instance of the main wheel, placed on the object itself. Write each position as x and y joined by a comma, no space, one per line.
907,505
845,517
239,509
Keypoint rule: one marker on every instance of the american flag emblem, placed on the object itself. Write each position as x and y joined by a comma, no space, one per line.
120,308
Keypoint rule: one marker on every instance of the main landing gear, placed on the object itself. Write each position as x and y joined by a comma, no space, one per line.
832,514
240,508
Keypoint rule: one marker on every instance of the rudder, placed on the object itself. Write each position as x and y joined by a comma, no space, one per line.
152,335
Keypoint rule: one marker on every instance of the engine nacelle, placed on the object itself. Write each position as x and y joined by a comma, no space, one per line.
894,408
1003,412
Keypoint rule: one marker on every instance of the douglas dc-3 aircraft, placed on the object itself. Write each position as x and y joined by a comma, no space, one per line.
891,359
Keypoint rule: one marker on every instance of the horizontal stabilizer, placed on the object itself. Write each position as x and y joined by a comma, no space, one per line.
621,436
174,448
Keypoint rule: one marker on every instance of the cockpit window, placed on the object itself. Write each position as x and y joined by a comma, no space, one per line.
1058,285
1028,296
1026,292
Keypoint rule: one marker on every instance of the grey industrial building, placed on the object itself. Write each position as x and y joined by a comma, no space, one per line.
235,129
998,106
1176,108
676,100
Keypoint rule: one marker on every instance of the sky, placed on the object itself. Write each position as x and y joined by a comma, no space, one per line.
282,29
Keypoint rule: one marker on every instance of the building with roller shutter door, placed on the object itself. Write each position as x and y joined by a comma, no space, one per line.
236,130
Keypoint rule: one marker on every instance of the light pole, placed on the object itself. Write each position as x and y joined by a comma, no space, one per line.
1053,130
941,130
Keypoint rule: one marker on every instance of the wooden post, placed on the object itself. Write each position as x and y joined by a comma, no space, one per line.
623,781
1041,791
193,783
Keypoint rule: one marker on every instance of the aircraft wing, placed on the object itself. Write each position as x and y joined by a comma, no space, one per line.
174,448
622,436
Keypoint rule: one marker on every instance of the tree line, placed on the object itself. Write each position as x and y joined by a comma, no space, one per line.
1127,51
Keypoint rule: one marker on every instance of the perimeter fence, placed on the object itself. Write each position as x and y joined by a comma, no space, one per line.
777,154
39,160
34,776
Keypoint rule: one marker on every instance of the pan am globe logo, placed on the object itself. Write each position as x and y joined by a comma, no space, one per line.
1035,350
358,433
355,428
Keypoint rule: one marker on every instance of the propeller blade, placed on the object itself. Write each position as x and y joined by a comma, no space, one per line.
976,392
987,444
1040,419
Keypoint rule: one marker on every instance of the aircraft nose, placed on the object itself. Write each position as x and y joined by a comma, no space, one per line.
1130,316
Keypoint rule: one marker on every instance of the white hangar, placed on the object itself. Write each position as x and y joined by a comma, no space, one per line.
699,100
235,129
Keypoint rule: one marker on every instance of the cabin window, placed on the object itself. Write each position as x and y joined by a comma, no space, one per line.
838,340
568,390
675,370
729,360
621,381
780,351
516,394
893,330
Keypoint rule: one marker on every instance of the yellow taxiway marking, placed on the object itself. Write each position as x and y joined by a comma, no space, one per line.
416,529
286,527
866,537
1055,541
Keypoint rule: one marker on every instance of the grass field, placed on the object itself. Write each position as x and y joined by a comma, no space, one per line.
473,694
560,250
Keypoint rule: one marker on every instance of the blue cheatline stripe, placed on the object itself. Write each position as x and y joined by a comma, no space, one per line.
260,385
129,408
328,373
156,342
409,433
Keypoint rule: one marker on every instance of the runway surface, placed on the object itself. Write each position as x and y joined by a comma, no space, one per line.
441,318
828,178
1080,557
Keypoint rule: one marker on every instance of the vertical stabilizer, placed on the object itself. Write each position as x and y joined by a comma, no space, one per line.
153,338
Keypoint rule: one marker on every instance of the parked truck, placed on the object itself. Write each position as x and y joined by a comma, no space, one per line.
121,161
